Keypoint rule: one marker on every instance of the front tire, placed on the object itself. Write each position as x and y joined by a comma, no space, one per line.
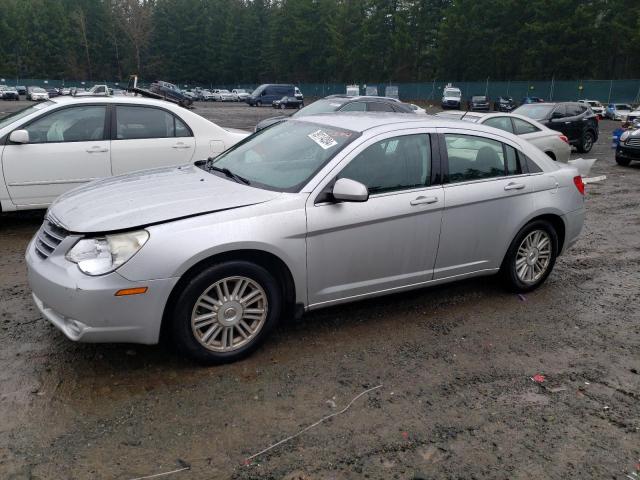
623,162
586,144
225,312
531,257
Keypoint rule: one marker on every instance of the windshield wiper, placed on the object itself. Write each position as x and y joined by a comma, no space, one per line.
229,174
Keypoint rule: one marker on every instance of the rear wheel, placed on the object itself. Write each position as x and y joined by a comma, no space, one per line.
624,162
258,103
282,106
226,311
531,256
586,144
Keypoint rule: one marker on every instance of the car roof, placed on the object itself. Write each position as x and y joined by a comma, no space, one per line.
65,100
347,98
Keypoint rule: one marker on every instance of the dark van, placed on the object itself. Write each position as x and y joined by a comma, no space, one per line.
266,93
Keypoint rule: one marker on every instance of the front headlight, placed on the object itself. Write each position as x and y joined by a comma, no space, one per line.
100,255
625,135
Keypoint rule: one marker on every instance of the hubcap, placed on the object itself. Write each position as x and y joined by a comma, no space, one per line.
229,314
534,256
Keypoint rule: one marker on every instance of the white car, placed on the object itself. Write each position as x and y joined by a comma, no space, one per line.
417,109
223,95
37,94
241,94
596,106
206,95
60,144
551,142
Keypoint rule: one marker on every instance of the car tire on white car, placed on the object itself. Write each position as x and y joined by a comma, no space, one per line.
531,256
225,312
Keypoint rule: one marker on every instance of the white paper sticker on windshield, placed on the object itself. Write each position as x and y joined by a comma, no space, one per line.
323,139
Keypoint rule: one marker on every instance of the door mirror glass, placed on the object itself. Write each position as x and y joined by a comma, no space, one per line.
347,190
19,136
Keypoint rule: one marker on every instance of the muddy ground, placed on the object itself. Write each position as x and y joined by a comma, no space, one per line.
455,363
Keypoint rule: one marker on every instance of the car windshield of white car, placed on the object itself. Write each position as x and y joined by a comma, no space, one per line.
284,157
15,116
537,112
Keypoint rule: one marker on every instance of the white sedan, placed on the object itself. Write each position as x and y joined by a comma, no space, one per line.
551,142
224,96
59,144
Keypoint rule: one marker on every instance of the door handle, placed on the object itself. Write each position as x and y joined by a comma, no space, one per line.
423,200
514,186
97,150
181,145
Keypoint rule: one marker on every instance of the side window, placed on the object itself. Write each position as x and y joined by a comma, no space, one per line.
354,107
143,122
379,107
522,127
473,158
75,124
573,110
531,165
503,123
181,129
560,109
397,163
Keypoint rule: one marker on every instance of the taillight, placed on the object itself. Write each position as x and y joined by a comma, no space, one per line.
564,139
579,184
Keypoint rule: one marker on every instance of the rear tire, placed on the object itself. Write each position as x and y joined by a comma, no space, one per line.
530,257
586,143
258,103
225,312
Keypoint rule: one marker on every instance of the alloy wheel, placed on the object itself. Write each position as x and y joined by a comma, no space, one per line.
533,256
229,314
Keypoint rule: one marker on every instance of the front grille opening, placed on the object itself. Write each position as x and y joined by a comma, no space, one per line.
48,238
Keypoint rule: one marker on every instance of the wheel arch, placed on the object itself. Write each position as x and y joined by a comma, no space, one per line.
556,222
271,262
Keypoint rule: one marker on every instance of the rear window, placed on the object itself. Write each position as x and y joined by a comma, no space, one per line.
319,106
537,112
478,99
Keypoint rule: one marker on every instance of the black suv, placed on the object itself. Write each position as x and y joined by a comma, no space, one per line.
575,120
628,148
343,103
504,104
479,102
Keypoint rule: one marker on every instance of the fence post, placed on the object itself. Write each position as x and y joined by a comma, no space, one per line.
610,87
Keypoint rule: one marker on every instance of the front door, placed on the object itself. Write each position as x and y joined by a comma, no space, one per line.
67,147
149,137
386,243
486,192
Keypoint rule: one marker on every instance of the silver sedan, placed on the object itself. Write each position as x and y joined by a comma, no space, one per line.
309,213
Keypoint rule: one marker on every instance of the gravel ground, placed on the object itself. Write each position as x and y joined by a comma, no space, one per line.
455,362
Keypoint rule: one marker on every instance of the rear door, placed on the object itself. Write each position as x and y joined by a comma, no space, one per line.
147,137
67,147
487,191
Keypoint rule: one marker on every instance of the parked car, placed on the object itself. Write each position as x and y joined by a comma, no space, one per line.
617,111
451,98
63,143
96,90
299,95
9,93
206,95
528,100
37,94
303,215
343,103
65,91
595,106
553,143
628,148
170,91
267,93
223,95
575,120
241,93
22,90
479,103
504,104
632,118
287,102
417,109
191,95
53,92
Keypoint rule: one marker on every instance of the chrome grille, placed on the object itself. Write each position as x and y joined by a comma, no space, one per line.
48,238
633,142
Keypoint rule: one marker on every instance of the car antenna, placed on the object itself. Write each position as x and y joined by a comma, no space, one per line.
465,113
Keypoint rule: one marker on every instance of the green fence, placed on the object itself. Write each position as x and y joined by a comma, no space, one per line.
608,91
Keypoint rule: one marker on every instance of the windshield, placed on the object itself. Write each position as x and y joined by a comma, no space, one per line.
594,104
478,99
15,116
452,92
537,112
623,106
37,90
286,156
319,106
241,90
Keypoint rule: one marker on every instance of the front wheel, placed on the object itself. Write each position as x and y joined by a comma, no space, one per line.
226,311
623,162
586,144
531,257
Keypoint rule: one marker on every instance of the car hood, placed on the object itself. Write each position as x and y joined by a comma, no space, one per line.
150,197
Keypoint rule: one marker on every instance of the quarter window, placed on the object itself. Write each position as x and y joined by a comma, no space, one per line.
148,122
502,123
76,124
397,163
379,107
523,127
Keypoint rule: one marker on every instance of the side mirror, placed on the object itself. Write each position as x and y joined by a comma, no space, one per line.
19,136
347,190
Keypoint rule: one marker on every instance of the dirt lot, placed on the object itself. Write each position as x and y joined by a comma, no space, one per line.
455,362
